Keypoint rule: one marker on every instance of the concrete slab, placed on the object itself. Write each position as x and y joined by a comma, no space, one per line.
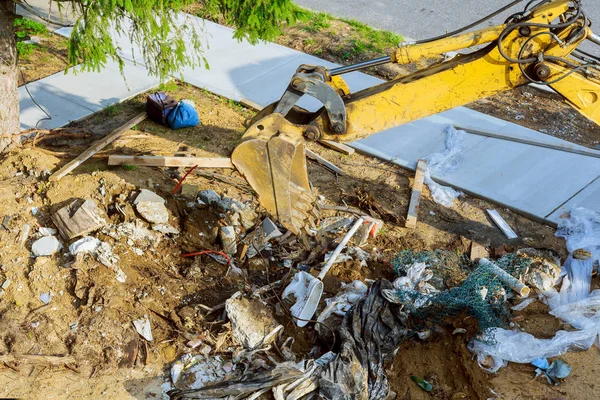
531,179
97,90
588,198
61,110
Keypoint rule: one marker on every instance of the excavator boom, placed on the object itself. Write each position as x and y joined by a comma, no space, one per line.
538,45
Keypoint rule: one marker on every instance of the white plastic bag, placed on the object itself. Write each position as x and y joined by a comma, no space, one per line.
440,164
522,347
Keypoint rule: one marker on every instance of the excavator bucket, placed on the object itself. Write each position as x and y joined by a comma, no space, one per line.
273,162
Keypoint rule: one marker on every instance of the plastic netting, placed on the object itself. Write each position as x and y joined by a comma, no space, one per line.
461,287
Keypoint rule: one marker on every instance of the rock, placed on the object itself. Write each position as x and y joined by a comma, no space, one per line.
189,191
86,244
270,230
47,231
209,197
478,252
46,246
146,195
165,228
228,240
581,254
252,323
153,212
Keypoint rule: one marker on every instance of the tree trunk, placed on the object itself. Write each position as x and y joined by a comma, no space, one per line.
9,94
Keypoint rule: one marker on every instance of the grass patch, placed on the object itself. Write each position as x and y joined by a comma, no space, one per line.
170,86
24,29
378,39
316,22
113,109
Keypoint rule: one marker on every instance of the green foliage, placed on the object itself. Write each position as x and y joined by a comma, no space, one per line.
25,49
377,39
155,26
128,167
317,22
169,86
25,28
310,42
28,26
113,109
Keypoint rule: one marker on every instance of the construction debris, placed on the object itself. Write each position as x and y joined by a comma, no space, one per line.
415,197
142,326
46,246
501,223
252,324
151,207
79,218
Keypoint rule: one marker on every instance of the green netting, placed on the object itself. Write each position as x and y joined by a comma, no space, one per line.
464,287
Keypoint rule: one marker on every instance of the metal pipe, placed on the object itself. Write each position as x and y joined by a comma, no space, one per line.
362,65
594,38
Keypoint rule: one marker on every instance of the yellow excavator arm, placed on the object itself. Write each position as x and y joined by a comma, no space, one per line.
537,45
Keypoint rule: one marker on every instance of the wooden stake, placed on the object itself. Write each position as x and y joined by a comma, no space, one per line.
312,155
160,161
415,197
96,147
341,147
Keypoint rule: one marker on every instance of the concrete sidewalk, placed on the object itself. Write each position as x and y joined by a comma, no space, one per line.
539,182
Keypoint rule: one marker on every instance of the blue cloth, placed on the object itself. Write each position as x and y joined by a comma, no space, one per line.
184,115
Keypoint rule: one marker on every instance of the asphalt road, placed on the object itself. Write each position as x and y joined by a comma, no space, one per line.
420,19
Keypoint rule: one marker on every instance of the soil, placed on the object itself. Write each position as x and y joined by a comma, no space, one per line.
48,57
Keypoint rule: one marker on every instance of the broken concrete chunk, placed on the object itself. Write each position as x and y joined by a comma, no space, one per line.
78,218
46,246
228,240
47,231
270,230
165,228
153,212
87,244
478,252
146,195
209,197
252,323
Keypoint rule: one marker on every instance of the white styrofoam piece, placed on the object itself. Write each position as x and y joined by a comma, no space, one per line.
532,179
97,90
588,198
60,109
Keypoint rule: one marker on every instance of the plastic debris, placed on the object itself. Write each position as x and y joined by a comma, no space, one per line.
422,383
553,372
45,297
142,326
45,246
340,304
228,239
440,164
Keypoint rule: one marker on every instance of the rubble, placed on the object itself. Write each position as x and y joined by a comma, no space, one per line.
142,326
165,228
228,240
189,191
153,212
47,231
79,218
45,246
252,323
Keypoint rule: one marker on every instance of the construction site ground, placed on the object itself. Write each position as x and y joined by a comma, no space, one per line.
112,361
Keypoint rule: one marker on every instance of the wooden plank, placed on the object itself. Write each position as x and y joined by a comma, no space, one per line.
415,197
97,146
341,147
314,156
160,161
76,220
